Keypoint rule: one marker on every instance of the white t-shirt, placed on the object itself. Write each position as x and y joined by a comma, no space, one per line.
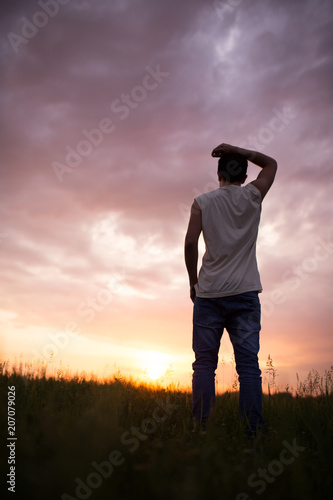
230,220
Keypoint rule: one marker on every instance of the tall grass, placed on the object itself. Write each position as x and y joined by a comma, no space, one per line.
66,424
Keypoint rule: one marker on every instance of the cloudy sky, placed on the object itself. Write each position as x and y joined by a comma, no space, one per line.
109,114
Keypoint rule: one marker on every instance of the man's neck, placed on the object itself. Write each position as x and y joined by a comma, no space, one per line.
224,183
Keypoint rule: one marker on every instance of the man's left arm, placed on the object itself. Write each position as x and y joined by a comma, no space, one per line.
191,246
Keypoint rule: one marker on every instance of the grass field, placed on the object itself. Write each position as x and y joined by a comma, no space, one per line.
79,438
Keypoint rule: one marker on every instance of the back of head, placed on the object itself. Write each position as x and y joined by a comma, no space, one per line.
232,167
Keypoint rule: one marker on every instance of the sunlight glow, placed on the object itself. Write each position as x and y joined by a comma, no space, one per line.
155,363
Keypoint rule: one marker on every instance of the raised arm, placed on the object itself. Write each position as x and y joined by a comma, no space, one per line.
269,166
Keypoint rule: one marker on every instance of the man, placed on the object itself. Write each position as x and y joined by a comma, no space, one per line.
225,294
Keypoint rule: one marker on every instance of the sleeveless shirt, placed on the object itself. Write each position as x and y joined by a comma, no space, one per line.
230,221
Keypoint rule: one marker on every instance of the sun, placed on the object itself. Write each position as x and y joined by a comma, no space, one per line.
155,364
154,371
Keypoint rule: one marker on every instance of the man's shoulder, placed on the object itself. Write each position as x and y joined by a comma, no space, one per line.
207,196
253,189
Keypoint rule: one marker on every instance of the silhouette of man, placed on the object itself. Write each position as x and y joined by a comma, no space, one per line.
225,294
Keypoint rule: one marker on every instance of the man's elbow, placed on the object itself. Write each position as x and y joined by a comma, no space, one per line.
273,164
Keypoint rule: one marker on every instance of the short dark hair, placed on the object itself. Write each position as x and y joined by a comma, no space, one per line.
232,167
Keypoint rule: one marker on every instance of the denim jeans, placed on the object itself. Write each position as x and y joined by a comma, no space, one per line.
240,316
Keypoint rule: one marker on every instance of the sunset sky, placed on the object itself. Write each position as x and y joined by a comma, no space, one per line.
110,110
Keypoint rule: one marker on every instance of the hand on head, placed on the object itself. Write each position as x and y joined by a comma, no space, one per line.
223,149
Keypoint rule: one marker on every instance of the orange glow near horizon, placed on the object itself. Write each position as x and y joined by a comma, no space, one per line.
150,367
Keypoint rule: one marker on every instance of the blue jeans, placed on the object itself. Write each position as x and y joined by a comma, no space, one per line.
240,315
